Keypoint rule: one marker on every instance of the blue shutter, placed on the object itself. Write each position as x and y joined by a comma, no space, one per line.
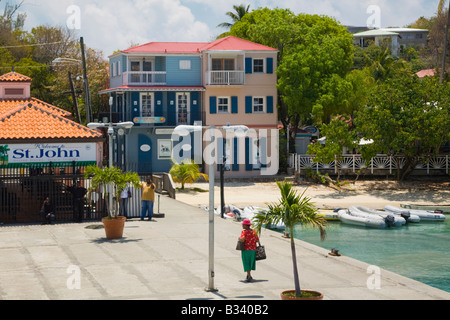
235,166
248,155
269,104
172,108
248,65
248,104
196,114
212,105
159,104
220,152
269,67
234,105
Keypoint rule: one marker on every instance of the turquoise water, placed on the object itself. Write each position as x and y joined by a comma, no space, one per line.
418,251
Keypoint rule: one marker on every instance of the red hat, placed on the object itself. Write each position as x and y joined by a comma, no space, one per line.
246,222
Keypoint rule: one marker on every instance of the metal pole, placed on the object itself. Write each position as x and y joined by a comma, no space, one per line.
222,192
86,83
211,218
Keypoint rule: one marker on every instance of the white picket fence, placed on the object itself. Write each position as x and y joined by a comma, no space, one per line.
354,163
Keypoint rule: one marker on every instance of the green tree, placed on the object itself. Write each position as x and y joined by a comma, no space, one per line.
406,117
292,209
186,172
339,135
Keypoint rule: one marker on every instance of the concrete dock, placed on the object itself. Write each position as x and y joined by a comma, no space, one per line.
168,260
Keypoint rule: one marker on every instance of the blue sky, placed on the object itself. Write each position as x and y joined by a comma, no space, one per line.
115,24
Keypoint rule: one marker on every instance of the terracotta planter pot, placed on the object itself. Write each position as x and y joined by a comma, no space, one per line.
114,227
317,295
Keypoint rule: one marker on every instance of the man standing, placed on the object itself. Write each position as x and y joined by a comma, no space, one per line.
148,198
78,193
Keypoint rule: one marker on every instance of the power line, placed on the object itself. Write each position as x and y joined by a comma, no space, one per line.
32,45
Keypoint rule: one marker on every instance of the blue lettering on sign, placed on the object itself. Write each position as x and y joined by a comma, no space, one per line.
20,154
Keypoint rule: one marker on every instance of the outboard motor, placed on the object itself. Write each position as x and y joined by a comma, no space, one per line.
389,220
406,215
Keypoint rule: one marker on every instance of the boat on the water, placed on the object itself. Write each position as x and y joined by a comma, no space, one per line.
250,211
422,214
329,215
445,209
390,219
352,218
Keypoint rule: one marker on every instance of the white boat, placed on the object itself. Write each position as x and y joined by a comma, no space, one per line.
413,218
422,214
445,208
329,215
397,221
347,217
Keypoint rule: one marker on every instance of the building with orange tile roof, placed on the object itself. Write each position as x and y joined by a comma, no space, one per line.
34,132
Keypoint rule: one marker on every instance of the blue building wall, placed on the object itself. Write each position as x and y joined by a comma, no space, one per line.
178,77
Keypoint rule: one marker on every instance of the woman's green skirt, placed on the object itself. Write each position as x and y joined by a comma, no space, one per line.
249,260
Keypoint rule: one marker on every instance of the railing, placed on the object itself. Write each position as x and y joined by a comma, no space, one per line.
353,163
226,78
143,78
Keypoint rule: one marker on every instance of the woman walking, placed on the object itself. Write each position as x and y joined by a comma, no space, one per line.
250,238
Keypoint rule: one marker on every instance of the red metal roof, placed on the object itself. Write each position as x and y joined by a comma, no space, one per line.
228,43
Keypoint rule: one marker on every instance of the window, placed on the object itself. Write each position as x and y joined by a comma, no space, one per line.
258,65
258,104
185,64
222,64
223,104
147,104
419,35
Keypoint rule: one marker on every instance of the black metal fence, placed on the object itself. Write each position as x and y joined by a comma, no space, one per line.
23,190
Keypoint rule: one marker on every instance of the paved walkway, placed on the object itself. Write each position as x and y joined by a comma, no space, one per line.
168,259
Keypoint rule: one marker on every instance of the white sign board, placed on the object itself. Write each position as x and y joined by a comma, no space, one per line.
51,152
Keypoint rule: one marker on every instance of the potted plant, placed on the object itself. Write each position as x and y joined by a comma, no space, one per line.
292,209
118,181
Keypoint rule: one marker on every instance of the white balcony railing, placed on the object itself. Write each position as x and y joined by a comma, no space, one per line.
144,78
226,78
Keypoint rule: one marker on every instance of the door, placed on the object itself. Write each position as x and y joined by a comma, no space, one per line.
183,108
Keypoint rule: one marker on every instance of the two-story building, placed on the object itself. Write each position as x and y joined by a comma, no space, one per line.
162,85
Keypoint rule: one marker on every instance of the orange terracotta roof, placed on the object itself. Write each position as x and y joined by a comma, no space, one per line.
34,121
14,77
9,104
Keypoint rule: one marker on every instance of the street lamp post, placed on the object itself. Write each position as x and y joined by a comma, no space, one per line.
111,126
181,130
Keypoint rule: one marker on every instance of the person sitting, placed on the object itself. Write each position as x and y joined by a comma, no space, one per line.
47,212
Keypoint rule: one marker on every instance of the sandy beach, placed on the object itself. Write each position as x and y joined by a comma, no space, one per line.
373,194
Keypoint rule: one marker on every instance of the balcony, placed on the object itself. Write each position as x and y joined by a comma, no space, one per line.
144,78
226,78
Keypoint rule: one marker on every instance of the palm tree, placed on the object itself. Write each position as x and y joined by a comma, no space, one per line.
241,11
186,172
111,176
292,209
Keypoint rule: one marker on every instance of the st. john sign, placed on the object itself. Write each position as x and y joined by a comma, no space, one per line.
44,153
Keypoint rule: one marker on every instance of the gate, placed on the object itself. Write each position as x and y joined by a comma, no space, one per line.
23,190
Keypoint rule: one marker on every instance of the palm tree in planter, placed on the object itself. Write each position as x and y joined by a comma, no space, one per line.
118,181
292,209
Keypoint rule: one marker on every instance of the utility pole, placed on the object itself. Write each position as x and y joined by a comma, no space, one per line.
76,112
86,83
441,80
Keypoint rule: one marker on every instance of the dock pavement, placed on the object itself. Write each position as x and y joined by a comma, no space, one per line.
168,259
